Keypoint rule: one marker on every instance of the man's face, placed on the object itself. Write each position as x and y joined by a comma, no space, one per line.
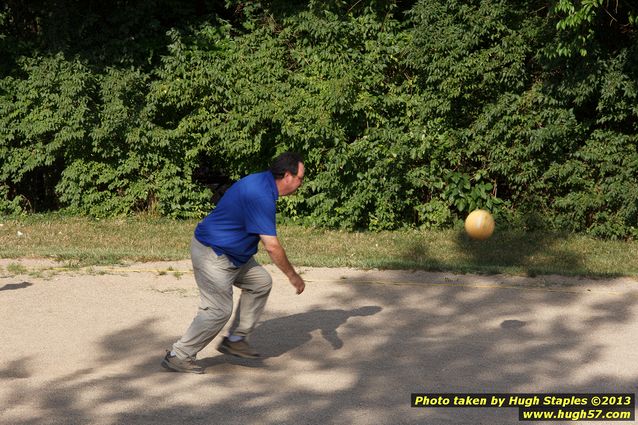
291,182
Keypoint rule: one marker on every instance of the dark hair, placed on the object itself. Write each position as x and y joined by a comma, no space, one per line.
287,161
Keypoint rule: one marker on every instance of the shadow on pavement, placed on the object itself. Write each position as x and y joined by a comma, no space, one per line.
281,335
359,365
275,337
14,286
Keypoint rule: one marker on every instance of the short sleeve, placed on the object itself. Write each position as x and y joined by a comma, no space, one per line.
260,216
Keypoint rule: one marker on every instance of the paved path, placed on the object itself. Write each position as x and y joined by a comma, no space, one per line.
84,347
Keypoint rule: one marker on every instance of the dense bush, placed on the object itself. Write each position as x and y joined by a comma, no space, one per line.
408,114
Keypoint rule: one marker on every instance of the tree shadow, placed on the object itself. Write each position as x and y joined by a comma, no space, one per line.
535,253
530,253
16,369
346,365
275,337
14,286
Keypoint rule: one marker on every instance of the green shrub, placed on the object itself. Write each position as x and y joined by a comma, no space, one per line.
408,114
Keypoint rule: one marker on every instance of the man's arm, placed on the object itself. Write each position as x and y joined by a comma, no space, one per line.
278,256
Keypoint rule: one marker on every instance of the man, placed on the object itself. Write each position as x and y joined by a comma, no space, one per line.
222,252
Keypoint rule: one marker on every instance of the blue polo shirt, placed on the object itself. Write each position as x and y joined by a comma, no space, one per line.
246,211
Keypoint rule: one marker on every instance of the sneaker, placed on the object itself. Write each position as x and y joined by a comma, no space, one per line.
239,349
174,364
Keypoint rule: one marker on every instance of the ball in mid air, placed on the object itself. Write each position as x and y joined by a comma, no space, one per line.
479,225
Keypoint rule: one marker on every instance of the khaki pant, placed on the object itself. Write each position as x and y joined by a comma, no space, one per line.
215,276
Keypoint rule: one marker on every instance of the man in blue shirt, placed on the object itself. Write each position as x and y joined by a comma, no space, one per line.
222,252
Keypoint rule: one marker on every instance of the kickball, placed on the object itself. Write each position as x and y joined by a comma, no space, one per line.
479,225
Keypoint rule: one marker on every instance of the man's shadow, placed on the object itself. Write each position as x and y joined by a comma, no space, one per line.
275,337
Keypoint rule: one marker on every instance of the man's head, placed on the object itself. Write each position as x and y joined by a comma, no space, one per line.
288,170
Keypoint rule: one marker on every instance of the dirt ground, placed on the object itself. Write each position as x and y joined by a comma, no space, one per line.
84,346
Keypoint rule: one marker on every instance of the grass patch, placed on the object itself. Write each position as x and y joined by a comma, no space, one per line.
80,241
16,269
509,252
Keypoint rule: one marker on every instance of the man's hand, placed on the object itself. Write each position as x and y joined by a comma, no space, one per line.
278,256
298,283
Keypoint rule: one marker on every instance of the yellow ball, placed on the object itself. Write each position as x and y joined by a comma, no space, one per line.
479,225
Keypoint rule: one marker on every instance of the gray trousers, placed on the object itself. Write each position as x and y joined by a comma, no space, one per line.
215,276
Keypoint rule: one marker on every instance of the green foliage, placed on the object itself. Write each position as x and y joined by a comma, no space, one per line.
583,24
478,63
44,118
596,179
409,114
